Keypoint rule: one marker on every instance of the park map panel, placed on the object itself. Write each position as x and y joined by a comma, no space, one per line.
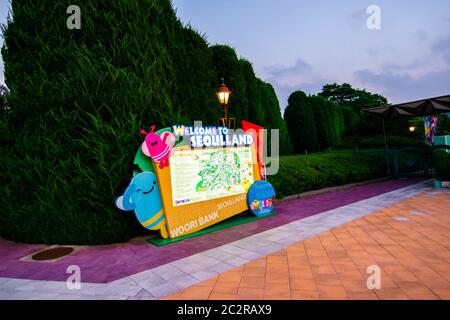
203,174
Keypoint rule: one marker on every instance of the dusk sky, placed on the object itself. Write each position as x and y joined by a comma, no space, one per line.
300,44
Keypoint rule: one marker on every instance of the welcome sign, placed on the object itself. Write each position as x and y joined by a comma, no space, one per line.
199,175
206,137
202,187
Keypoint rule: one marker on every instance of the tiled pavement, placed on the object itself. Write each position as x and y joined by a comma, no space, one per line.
412,254
106,263
324,256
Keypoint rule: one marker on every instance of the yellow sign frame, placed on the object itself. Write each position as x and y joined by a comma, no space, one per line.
192,217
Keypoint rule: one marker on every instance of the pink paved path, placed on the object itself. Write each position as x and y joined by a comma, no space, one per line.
101,264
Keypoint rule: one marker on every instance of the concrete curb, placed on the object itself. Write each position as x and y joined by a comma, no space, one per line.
332,189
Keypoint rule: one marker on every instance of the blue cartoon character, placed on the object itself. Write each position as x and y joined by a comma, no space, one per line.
142,196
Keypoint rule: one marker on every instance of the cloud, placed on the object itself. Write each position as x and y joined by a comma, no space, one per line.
442,49
426,76
284,90
403,87
420,35
417,68
300,67
358,18
287,79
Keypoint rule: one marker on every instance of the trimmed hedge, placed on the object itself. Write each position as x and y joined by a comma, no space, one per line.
377,142
79,98
314,123
303,173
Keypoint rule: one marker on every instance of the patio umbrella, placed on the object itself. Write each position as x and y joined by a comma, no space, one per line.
419,108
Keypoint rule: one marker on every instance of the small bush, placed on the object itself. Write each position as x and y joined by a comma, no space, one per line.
443,169
302,173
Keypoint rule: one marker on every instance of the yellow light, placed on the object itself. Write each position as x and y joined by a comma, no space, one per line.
412,128
223,93
223,97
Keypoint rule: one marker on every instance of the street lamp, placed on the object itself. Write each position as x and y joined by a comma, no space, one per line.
412,128
223,93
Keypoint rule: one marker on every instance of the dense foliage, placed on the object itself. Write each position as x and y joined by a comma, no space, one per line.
443,168
78,99
352,102
333,118
302,173
377,142
313,122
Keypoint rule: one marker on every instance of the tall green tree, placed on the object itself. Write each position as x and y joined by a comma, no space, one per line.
355,100
301,124
329,121
443,127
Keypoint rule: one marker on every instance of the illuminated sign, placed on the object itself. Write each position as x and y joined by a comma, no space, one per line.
208,137
201,179
204,174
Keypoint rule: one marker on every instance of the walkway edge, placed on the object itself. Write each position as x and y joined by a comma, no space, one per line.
333,189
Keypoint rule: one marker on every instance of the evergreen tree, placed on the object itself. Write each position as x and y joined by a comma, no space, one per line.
354,99
79,98
301,124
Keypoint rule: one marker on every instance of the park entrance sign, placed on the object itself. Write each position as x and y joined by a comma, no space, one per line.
203,177
206,174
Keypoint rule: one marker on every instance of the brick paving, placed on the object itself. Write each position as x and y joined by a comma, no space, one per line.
412,254
320,254
106,263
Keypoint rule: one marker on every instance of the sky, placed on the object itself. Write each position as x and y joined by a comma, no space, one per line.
304,44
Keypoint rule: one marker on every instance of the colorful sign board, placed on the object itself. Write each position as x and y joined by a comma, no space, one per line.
200,182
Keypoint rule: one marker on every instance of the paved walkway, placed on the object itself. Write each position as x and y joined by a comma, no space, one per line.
103,264
410,248
308,256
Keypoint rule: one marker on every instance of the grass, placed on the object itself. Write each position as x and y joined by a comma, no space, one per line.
303,173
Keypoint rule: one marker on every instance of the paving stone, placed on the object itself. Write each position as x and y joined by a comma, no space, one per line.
162,290
204,274
186,281
203,260
168,272
148,279
187,266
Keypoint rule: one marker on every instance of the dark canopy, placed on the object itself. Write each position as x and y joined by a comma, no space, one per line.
418,108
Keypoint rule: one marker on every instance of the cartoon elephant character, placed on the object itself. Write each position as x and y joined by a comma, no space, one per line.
142,196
